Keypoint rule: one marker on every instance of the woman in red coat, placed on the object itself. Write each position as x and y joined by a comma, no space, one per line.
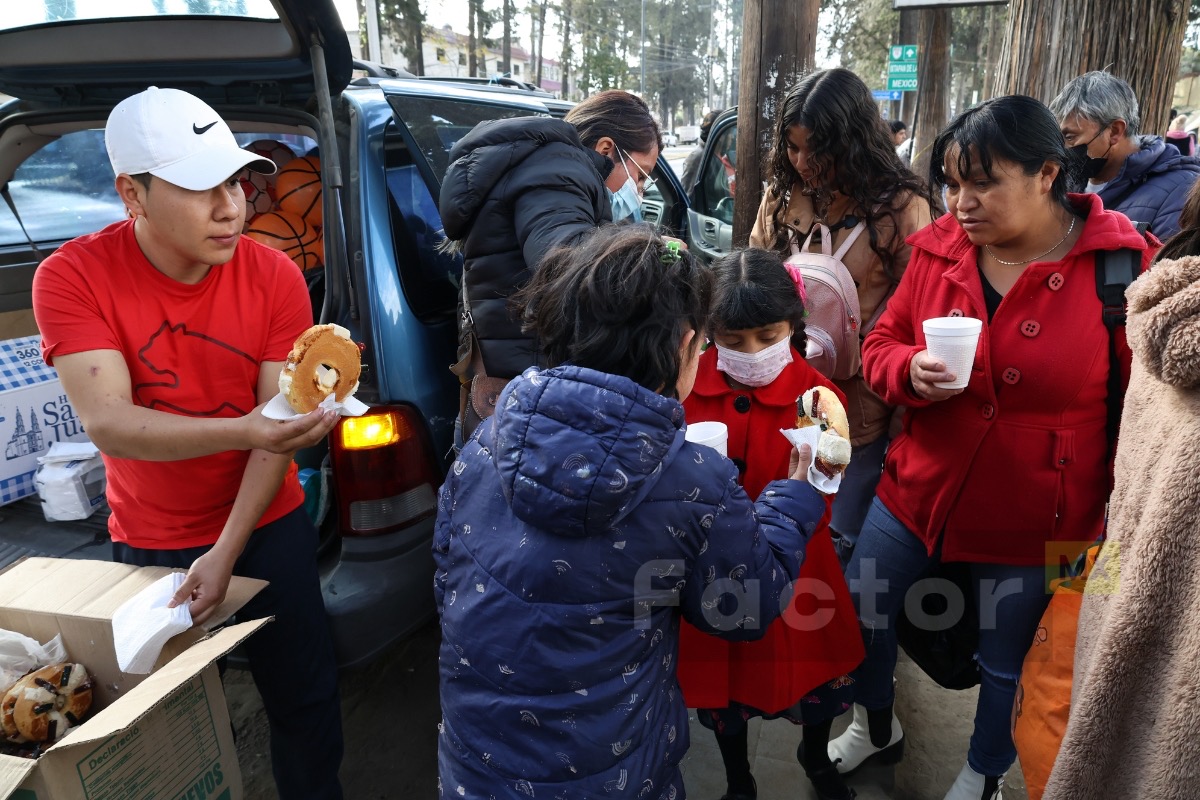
750,381
1010,474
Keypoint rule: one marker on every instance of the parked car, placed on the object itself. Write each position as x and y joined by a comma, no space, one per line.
669,139
384,146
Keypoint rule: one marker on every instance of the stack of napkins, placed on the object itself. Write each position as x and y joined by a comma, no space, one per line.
143,624
61,452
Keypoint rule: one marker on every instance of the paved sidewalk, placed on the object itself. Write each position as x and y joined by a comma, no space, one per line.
937,726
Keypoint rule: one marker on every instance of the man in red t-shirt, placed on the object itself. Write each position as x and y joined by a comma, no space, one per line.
168,332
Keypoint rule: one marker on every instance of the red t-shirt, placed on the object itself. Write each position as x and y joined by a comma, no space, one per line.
193,350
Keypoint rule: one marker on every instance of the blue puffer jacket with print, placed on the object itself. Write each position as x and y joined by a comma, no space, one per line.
572,532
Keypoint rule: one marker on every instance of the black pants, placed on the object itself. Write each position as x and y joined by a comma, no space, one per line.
291,659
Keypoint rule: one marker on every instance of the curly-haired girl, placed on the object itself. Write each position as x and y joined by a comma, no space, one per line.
833,162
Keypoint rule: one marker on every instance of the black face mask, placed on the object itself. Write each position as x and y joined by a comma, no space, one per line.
1091,167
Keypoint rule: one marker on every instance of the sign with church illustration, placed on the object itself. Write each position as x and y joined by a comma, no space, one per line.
34,414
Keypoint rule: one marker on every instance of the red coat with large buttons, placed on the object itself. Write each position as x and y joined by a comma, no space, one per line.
1018,459
818,638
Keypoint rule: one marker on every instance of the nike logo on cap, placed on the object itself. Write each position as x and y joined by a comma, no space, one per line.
196,129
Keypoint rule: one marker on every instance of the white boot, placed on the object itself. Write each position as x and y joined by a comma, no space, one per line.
854,746
970,785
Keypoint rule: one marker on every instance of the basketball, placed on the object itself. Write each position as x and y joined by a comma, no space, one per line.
278,152
259,199
289,233
298,188
315,254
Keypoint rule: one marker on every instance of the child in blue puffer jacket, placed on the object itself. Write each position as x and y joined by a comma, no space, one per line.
576,528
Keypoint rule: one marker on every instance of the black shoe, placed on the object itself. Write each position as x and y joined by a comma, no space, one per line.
828,782
742,795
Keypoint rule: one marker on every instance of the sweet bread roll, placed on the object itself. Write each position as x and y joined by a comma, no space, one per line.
820,406
7,704
51,701
323,361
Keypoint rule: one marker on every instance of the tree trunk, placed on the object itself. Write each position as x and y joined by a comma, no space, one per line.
541,38
481,38
996,19
933,87
506,45
1049,42
472,63
779,46
565,65
416,64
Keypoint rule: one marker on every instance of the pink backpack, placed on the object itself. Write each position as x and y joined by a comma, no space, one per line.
833,319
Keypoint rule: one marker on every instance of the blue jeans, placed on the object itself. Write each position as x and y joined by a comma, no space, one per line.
854,497
291,659
886,563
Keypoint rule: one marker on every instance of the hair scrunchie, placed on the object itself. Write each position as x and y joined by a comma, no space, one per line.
798,279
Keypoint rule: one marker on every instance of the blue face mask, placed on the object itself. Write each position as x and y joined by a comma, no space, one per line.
626,202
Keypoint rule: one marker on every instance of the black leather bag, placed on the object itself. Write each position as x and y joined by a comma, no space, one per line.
947,656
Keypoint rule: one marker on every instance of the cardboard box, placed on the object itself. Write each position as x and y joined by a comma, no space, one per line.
34,414
165,735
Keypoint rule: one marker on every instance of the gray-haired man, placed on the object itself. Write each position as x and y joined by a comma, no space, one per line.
1137,175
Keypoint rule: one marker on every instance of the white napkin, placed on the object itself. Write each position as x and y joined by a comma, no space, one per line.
278,407
810,436
143,624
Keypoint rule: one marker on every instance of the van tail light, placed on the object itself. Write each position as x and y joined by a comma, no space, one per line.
384,471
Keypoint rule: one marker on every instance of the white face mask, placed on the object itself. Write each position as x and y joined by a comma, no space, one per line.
755,369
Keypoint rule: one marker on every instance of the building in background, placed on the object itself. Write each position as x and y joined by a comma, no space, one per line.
446,56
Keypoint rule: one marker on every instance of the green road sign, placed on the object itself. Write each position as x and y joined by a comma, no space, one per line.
902,68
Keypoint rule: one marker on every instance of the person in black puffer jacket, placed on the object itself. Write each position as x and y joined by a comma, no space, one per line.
517,187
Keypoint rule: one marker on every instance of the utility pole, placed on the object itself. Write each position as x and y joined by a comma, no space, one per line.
907,109
642,57
933,87
779,45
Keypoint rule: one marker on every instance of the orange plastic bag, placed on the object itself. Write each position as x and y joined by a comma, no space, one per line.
1043,702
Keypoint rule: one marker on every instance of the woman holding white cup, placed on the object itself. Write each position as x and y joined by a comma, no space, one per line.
1003,461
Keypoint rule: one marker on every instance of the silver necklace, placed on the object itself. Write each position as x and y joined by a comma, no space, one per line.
1070,228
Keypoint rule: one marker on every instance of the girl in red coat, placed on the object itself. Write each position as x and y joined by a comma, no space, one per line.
750,381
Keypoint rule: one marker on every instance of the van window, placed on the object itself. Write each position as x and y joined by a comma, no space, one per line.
63,190
437,123
430,278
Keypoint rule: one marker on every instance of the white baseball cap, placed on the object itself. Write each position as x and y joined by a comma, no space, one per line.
177,137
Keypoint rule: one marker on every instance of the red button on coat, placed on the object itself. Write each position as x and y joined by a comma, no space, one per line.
1031,328
988,411
1056,281
1011,375
956,312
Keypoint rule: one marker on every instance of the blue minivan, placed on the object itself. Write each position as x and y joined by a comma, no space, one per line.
281,70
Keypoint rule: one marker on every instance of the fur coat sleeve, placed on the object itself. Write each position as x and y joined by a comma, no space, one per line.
1135,708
